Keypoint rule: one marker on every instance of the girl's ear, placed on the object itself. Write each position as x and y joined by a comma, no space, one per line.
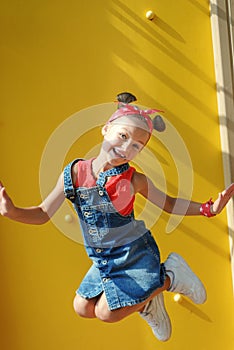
105,129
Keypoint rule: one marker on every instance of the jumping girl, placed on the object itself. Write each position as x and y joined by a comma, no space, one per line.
127,275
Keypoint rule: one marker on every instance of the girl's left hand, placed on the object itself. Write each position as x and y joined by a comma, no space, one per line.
223,199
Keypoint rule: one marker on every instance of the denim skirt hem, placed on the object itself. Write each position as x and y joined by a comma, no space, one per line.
127,275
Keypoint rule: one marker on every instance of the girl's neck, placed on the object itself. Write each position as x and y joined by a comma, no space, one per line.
99,166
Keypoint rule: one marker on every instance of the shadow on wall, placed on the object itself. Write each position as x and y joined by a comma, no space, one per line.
193,234
158,40
199,7
193,309
164,46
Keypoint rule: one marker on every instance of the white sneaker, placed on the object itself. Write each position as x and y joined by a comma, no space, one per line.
183,279
157,318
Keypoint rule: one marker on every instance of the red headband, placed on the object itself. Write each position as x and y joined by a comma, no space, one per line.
131,110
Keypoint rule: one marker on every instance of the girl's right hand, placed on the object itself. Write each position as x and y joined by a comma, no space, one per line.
35,215
223,199
6,204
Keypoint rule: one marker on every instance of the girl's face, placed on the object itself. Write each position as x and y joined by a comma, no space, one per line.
124,139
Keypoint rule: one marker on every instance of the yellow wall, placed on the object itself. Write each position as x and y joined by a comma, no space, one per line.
58,57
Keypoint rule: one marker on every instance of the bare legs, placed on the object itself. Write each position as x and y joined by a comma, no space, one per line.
98,307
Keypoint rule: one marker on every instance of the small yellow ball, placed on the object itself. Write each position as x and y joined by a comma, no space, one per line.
150,15
177,298
68,218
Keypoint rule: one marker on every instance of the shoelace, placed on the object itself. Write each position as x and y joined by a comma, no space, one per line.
151,320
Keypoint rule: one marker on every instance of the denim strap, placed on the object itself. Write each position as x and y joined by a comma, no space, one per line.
69,189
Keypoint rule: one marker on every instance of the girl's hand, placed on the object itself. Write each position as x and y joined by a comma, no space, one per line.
35,215
223,199
6,204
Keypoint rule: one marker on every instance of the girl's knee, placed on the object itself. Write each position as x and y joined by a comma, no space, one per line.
83,307
105,315
102,311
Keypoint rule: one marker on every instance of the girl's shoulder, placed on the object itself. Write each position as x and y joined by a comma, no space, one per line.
74,173
74,169
82,172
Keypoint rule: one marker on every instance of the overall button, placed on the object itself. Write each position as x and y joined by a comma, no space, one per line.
101,193
86,213
104,262
98,250
92,230
105,279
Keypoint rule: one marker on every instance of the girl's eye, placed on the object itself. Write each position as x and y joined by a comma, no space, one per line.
123,136
136,146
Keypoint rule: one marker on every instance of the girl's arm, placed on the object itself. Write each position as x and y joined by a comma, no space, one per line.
178,206
33,215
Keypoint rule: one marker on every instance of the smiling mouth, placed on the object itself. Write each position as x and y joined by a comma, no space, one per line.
118,154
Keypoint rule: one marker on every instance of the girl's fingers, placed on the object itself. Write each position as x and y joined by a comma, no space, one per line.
2,191
230,190
3,194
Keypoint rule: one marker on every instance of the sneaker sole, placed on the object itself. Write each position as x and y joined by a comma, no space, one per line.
159,301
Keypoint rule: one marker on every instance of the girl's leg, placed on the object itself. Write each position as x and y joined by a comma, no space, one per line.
151,310
181,279
98,307
85,307
103,313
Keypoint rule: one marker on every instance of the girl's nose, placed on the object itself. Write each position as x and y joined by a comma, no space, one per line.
126,145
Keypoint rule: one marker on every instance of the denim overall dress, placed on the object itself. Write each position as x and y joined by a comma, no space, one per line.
126,260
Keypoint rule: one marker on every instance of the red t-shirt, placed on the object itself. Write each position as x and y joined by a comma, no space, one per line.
118,187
